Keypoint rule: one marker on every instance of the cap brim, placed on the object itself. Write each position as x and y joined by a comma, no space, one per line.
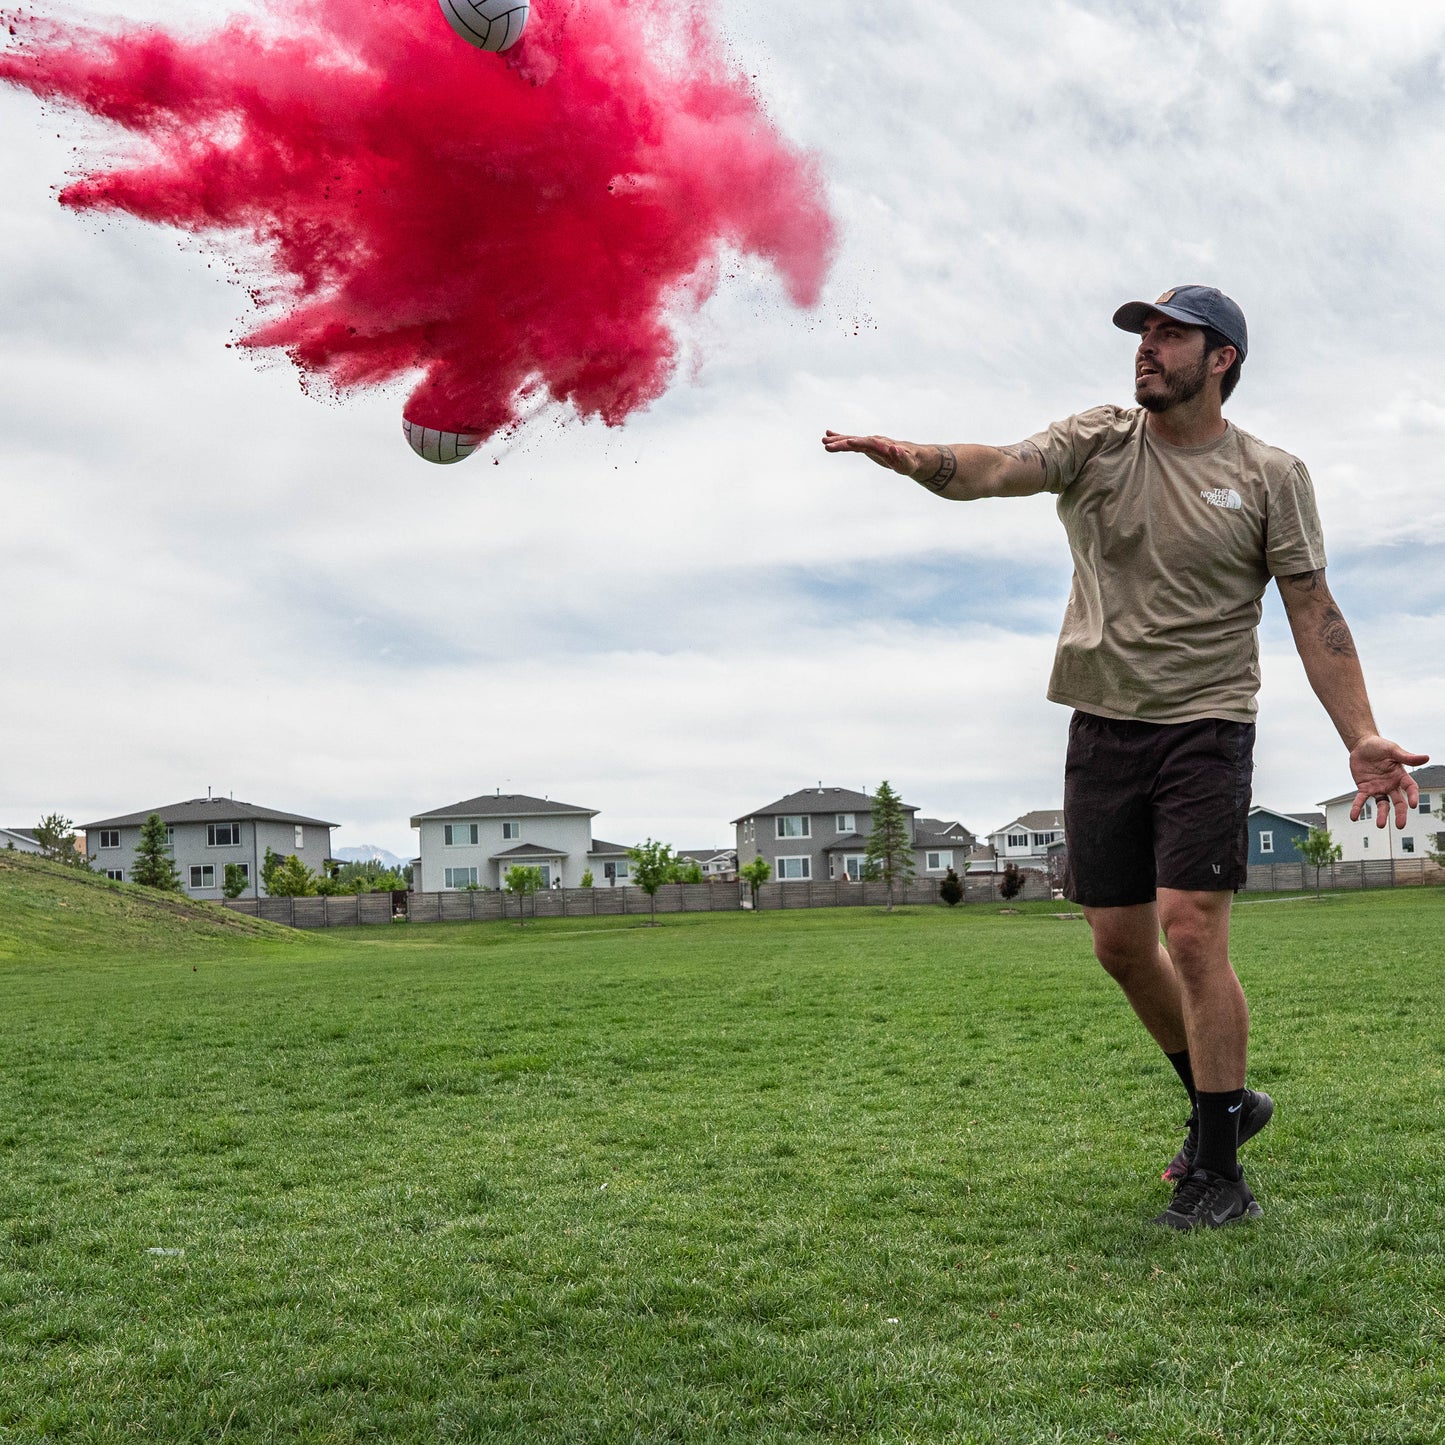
1134,315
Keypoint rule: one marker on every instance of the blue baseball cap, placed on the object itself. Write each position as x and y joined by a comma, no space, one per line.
1194,306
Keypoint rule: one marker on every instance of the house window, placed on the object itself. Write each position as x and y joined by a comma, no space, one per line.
1018,840
939,862
1266,841
1365,841
300,836
245,871
1042,840
170,832
795,827
1424,802
509,830
458,835
853,866
110,837
461,877
793,868
116,875
614,873
1368,811
1407,845
223,835
846,822
203,875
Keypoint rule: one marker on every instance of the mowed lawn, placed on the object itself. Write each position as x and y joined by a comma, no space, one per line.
814,1175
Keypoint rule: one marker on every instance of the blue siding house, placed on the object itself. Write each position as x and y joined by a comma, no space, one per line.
1272,834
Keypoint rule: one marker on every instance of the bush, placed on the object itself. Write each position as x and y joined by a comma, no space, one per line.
1012,883
951,890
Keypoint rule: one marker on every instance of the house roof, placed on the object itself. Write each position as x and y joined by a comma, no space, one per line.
22,833
1041,820
210,810
848,843
939,840
529,850
1303,818
1429,779
503,805
705,855
939,828
819,800
600,847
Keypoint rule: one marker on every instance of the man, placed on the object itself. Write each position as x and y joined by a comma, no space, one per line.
1176,520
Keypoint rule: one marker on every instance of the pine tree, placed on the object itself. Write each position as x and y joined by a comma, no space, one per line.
890,844
154,866
56,836
951,889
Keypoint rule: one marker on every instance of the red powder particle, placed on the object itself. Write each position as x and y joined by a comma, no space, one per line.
501,224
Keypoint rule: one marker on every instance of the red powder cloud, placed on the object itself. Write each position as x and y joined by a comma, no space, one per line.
500,223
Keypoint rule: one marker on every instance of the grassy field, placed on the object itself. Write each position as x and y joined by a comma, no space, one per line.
796,1176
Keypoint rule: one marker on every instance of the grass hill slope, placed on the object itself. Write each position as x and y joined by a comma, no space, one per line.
48,910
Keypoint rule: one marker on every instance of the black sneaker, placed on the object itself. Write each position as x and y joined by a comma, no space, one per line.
1209,1201
1257,1111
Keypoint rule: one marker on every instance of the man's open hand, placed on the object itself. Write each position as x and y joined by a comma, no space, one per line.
1378,767
905,458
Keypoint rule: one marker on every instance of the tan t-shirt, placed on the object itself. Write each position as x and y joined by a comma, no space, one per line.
1173,548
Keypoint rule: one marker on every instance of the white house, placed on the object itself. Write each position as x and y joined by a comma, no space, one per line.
477,842
1365,841
22,840
206,835
1027,840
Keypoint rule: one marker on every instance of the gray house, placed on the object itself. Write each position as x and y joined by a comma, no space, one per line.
477,842
205,835
822,833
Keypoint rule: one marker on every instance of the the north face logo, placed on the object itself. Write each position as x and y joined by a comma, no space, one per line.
1225,497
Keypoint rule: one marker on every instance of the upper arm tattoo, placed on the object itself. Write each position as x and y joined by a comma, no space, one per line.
944,473
1305,582
1026,452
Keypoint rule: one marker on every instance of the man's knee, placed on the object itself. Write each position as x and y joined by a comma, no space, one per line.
1196,931
1124,941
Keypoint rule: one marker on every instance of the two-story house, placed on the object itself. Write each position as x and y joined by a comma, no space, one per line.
718,864
816,833
1364,841
20,840
1032,840
477,842
205,834
1272,834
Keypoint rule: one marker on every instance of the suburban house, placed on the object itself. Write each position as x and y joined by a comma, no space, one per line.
22,840
822,833
1032,840
1272,834
477,842
205,834
718,864
1363,841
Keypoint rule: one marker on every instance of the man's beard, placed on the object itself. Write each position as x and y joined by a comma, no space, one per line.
1180,386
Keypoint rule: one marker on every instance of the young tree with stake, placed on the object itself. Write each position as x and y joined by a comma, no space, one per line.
890,846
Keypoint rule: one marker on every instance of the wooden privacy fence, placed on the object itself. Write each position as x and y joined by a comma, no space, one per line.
1377,873
484,905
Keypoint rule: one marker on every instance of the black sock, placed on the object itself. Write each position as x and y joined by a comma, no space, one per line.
1186,1074
1219,1132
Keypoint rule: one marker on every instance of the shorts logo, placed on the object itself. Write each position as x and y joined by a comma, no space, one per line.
1215,866
1225,497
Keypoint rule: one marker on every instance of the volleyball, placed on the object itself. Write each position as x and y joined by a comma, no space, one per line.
442,447
487,24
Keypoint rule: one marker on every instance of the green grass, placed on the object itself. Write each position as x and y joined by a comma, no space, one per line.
795,1176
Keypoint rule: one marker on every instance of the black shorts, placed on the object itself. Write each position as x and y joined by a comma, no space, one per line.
1155,805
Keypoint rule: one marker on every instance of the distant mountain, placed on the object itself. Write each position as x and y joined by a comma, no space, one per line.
368,853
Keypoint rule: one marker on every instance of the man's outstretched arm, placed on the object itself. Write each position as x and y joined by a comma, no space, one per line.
961,473
1332,665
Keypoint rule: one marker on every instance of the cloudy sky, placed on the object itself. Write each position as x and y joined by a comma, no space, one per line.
212,580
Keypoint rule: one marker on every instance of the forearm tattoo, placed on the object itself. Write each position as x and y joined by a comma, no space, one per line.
944,472
1334,631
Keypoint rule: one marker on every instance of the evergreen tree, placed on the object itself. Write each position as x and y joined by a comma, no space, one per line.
154,866
890,844
1012,883
951,890
56,836
287,877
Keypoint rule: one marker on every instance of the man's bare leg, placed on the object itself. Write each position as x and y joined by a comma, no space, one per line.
1216,1017
1126,942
